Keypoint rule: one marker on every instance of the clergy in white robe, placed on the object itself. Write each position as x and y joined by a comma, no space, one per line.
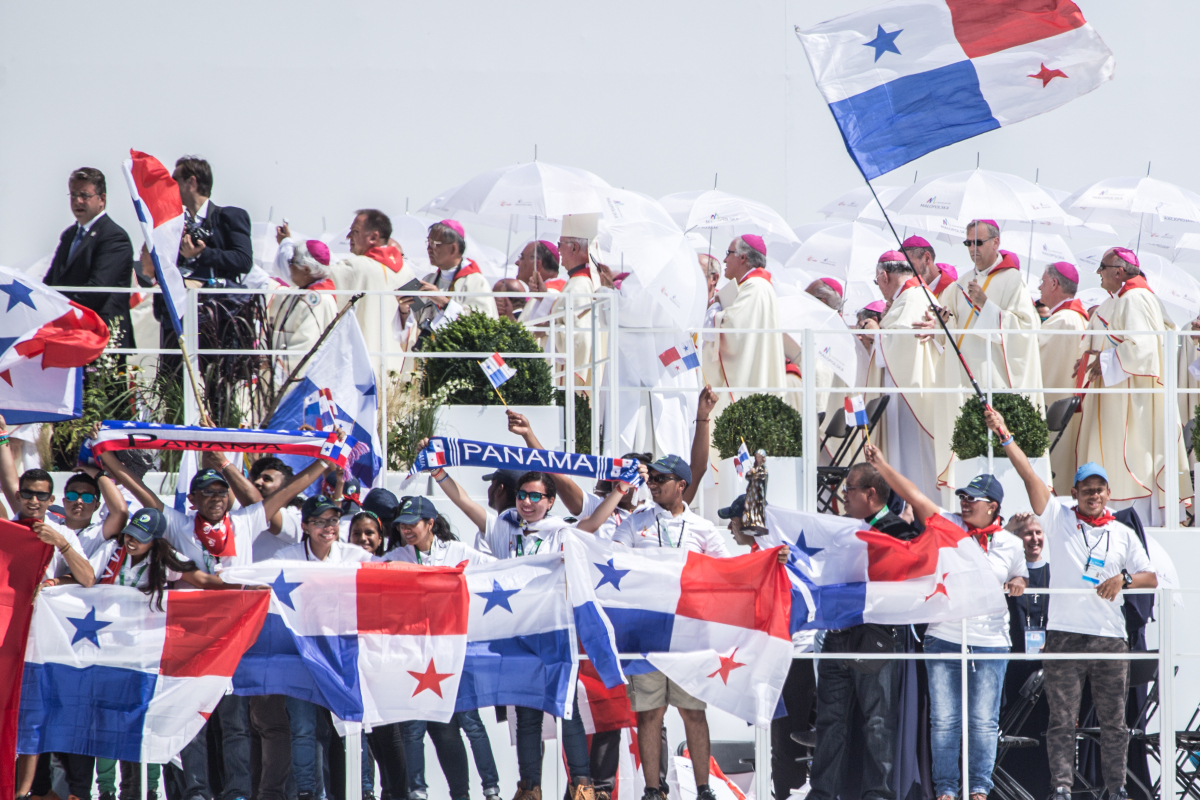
1059,354
454,273
906,362
1188,370
1124,432
539,261
299,319
753,362
582,279
991,296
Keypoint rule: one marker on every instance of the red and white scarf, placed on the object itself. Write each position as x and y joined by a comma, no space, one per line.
218,540
984,535
113,568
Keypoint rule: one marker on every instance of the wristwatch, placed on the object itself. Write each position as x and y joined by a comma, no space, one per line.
1127,579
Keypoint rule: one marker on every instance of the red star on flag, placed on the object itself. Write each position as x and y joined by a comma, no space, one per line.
728,665
940,588
7,376
430,679
634,750
1046,75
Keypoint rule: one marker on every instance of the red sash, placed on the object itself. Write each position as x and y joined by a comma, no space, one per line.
317,286
1075,306
1095,522
908,284
982,535
944,281
113,568
558,284
217,539
792,369
756,273
581,269
470,268
1138,282
1007,261
387,255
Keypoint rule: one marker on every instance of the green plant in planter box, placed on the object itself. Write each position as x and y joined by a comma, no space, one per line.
765,422
1196,430
1024,422
476,333
583,420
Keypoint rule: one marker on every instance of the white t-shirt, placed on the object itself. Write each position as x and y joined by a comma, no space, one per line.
506,536
608,528
92,539
1070,541
340,553
129,574
58,564
1006,556
440,554
247,523
654,526
267,544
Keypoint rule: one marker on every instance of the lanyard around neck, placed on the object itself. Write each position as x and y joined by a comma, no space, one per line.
141,572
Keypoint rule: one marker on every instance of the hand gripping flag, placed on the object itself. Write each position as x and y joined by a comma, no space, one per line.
907,77
446,452
496,370
40,326
856,411
718,627
373,643
108,676
160,212
680,358
845,573
128,435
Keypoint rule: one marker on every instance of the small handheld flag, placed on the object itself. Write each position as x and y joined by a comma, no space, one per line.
319,407
680,358
856,411
496,370
741,459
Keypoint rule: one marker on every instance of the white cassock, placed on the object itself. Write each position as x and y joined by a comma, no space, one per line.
830,396
375,312
907,363
751,360
1123,432
1189,379
299,321
582,281
1059,353
467,277
1014,357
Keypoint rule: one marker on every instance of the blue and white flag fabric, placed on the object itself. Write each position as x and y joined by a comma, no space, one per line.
496,370
741,460
342,367
107,675
907,77
593,626
29,393
320,408
856,410
130,435
447,452
160,213
183,479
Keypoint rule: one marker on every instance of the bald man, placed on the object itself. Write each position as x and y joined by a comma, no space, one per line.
510,307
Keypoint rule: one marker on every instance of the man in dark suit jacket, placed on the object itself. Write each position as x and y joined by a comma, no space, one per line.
95,252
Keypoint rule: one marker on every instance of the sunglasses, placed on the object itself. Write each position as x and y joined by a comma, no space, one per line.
87,497
976,242
212,492
29,494
533,497
660,477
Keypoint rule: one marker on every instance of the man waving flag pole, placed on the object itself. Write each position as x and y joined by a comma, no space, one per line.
905,78
160,212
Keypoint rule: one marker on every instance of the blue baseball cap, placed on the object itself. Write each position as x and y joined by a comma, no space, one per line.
146,524
673,465
1088,470
317,505
734,509
206,477
983,487
415,509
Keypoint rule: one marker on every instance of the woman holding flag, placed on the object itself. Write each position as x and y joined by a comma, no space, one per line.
980,516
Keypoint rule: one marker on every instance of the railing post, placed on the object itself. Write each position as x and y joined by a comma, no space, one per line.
612,429
1168,754
381,393
762,761
812,430
569,372
594,373
1170,431
354,763
965,733
191,338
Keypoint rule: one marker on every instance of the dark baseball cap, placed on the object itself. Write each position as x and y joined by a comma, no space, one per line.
317,505
983,487
146,524
508,477
673,465
382,503
734,509
206,477
416,509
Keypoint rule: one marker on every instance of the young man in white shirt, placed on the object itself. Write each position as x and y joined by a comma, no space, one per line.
1089,549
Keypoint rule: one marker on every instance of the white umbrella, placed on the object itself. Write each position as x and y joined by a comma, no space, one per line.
1122,200
1037,246
1178,291
978,194
859,204
799,310
521,193
847,252
726,215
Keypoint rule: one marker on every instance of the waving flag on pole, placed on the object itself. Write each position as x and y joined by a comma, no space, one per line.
856,411
907,77
160,212
496,370
108,676
320,408
680,358
40,326
741,459
845,573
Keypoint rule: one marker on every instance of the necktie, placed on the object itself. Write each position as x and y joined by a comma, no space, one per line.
75,242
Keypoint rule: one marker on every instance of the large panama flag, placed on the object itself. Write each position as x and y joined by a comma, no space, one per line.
908,77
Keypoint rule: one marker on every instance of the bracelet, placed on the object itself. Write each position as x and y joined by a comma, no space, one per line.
1006,442
701,420
618,489
444,477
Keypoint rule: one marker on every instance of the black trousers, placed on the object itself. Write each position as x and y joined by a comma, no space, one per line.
386,744
799,695
604,755
269,718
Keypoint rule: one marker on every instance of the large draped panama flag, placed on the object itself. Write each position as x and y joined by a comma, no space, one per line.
718,627
908,77
160,213
845,573
106,675
39,326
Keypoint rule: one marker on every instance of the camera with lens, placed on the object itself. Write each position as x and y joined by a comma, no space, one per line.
197,232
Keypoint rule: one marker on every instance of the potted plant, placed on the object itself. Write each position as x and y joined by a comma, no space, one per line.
970,446
764,422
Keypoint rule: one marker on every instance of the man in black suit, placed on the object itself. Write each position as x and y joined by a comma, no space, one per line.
95,251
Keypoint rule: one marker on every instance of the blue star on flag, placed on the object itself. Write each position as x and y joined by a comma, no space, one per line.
801,551
87,627
283,590
366,389
497,597
611,575
884,42
7,342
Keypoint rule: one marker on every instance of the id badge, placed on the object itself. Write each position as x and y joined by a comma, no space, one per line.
1098,563
1089,580
1035,640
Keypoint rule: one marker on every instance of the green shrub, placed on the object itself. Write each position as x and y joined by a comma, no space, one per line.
1196,431
765,422
1024,422
476,333
583,420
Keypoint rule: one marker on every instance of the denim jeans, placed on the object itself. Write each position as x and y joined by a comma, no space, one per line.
192,778
305,761
481,748
451,753
985,683
529,745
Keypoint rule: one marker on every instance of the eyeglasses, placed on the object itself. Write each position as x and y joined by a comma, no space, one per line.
29,494
661,477
846,488
732,253
533,497
212,492
87,497
1109,266
434,242
322,523
82,195
976,242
